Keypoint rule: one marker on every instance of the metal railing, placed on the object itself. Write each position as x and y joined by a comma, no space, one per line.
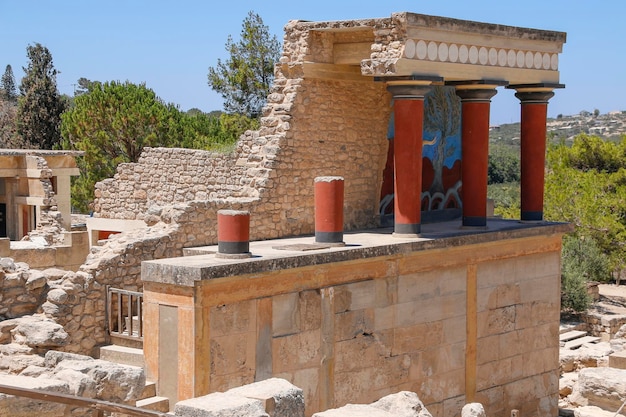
124,313
97,407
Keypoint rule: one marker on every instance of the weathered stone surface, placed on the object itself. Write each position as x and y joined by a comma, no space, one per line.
402,404
36,279
25,407
113,382
587,356
34,371
39,333
220,404
473,410
57,296
603,387
7,264
567,382
354,410
5,329
593,411
53,357
15,364
80,384
286,399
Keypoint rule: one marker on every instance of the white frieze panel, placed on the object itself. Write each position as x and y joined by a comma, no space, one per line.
421,49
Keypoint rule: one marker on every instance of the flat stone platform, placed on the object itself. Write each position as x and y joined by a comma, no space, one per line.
296,252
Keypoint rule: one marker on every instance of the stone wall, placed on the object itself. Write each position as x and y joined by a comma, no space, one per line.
455,324
310,127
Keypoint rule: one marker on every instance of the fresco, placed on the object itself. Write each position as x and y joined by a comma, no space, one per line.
441,152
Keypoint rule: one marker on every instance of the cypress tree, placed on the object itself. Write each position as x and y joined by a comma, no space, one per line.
40,105
7,85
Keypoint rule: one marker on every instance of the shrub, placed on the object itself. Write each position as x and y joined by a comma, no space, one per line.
583,261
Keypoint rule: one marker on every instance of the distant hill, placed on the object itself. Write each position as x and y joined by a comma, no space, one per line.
610,126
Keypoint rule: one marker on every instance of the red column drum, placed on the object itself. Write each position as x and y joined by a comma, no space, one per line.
329,210
233,234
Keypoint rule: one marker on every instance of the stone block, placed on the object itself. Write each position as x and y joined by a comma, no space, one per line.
402,404
362,294
492,322
545,288
495,273
418,337
234,353
618,360
603,387
280,398
233,318
220,404
16,406
473,410
310,310
354,410
285,314
293,352
350,324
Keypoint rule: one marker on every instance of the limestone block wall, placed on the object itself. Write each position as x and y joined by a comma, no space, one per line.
474,322
311,126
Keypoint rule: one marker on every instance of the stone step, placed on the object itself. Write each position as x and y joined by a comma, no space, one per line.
123,355
570,335
576,343
148,391
161,404
618,360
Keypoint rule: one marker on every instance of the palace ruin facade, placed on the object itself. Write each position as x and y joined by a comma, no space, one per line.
446,301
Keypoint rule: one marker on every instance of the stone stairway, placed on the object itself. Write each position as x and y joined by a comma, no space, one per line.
573,339
134,356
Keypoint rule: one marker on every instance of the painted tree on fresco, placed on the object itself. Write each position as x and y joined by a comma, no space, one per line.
442,118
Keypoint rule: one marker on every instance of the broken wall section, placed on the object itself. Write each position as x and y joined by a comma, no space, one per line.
313,125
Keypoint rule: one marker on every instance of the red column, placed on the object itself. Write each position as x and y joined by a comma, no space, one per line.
329,210
533,152
408,131
233,234
475,104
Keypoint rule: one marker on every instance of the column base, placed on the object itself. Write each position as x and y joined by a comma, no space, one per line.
329,237
532,216
473,221
233,248
407,230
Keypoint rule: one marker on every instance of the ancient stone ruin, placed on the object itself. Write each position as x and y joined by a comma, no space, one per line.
426,294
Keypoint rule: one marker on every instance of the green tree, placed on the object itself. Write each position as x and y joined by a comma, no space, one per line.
40,105
112,123
583,262
7,85
244,80
83,86
586,186
8,127
504,165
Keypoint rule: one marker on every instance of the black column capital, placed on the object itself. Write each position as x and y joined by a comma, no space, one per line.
476,94
408,91
537,97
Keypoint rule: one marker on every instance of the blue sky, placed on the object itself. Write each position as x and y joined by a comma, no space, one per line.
170,45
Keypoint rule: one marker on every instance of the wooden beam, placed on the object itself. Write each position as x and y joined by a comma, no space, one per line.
81,402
